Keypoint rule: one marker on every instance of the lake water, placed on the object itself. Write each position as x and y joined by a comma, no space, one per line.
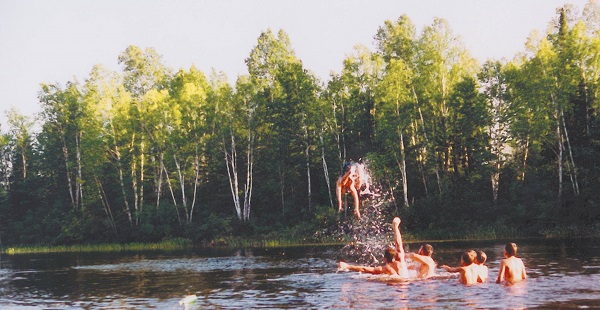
561,274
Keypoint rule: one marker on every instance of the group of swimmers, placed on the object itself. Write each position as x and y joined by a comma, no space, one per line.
472,270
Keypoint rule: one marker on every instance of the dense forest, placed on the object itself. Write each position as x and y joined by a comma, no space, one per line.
147,154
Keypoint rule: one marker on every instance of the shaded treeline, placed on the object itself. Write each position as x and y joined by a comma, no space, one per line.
146,153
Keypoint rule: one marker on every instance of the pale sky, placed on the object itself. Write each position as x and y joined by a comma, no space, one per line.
56,41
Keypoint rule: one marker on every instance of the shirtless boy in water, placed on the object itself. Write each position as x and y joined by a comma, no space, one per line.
426,264
468,270
482,269
395,265
512,269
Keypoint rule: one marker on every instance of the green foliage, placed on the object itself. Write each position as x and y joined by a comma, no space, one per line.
171,244
464,151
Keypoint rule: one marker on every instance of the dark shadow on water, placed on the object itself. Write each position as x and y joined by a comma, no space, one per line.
562,274
571,304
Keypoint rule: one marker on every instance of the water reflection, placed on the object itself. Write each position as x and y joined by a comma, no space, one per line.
561,274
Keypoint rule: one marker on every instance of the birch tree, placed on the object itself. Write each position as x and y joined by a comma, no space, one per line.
393,115
62,113
493,80
142,71
238,131
441,62
267,59
187,125
19,135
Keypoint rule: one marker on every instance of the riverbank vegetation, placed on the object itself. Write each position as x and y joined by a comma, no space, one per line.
459,149
167,245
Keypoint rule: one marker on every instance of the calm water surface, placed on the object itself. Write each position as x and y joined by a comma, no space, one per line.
562,274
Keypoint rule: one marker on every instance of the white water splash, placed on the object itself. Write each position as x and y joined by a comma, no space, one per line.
371,234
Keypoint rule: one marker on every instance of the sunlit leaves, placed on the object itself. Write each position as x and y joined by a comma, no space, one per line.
143,70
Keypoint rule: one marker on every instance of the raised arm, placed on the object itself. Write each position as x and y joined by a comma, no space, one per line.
418,257
398,238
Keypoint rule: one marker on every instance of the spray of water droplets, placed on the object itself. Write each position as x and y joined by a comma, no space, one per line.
370,235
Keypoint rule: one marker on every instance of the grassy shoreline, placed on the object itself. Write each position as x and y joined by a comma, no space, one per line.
171,245
485,234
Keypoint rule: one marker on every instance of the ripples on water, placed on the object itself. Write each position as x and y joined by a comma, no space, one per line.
561,274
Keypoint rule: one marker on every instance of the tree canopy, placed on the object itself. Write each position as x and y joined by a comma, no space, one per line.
146,153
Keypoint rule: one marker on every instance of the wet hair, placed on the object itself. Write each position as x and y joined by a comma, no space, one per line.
389,254
467,257
481,257
472,255
427,249
511,249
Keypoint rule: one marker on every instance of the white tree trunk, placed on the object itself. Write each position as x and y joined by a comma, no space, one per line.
120,168
161,165
106,205
403,170
525,156
232,174
172,195
69,182
573,169
249,177
196,174
122,183
134,182
79,179
182,186
560,147
326,170
307,155
142,164
435,168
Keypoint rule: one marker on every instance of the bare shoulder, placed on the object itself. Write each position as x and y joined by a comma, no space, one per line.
427,259
515,260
